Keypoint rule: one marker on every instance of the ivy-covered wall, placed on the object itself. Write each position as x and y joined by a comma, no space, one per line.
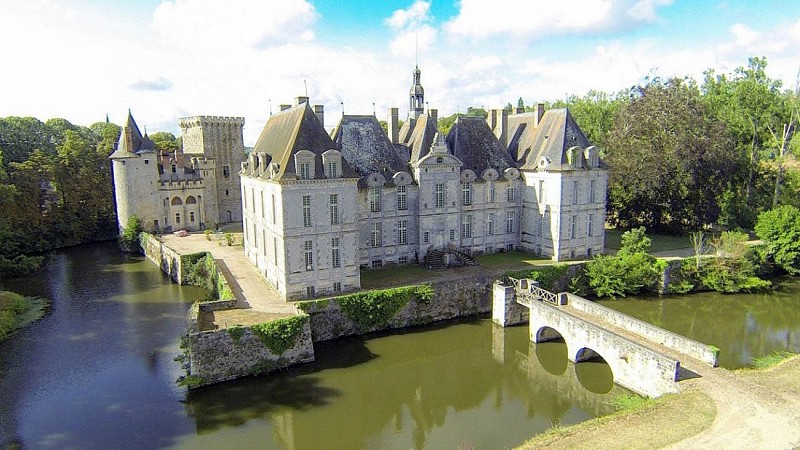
369,311
239,351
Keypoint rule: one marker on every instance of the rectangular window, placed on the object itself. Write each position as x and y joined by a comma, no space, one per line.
510,222
575,192
490,191
466,226
589,227
375,235
226,171
177,217
426,237
305,170
333,169
490,224
377,264
337,286
402,203
146,162
466,193
334,208
336,260
309,255
273,209
573,231
310,291
402,232
452,235
510,194
191,216
374,198
307,211
402,260
541,192
439,195
591,191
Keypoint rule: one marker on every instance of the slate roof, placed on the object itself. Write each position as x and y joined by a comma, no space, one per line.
366,147
557,132
472,141
290,131
137,144
421,138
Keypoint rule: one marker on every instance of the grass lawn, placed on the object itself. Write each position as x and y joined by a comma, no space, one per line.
393,276
660,242
510,260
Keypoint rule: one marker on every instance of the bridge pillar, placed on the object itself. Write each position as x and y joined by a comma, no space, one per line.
505,310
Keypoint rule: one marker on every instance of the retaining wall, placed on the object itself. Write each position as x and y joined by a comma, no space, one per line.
451,299
703,352
217,355
164,257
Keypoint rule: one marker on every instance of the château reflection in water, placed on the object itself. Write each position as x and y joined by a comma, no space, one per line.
472,383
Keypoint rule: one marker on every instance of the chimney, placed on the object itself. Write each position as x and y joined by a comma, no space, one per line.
539,110
491,119
394,130
301,100
434,113
502,127
319,110
284,107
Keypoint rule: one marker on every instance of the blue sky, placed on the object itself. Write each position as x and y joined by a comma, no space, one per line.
164,59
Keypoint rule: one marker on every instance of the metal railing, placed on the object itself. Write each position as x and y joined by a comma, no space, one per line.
528,290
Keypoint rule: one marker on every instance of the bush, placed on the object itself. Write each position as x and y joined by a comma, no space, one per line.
129,240
546,276
629,272
780,230
733,269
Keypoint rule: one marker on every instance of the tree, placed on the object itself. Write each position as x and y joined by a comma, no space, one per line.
594,113
749,103
630,271
165,141
668,157
779,228
129,239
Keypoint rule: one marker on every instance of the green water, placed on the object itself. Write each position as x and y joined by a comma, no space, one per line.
742,326
98,372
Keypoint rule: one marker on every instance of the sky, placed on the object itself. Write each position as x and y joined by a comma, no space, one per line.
165,59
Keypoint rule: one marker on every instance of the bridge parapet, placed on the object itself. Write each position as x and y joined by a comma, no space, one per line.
528,290
705,353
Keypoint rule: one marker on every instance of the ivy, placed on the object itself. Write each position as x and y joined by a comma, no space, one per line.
374,309
546,276
279,335
307,306
236,332
201,270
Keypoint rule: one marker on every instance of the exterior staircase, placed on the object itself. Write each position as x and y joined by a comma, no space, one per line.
435,258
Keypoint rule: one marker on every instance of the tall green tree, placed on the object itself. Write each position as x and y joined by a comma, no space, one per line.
165,141
779,228
668,157
594,113
749,103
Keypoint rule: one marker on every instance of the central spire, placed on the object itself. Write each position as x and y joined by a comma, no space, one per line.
416,105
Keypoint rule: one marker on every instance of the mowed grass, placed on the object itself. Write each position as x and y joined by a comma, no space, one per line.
394,276
660,242
652,424
508,260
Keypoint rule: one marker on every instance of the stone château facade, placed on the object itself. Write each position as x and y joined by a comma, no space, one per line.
317,207
193,188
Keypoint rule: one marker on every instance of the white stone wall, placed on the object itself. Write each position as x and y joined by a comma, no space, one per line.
136,190
275,242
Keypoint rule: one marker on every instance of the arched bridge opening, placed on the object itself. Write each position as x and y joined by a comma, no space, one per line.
593,371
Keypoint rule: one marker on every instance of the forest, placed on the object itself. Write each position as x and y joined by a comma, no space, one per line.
682,156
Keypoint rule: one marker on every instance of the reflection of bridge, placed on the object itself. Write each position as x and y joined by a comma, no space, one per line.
642,357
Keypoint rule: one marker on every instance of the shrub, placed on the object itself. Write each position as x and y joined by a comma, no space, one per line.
630,271
129,240
733,269
780,230
281,334
546,276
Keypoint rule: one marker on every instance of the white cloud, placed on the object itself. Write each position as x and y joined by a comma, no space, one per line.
211,24
481,18
413,17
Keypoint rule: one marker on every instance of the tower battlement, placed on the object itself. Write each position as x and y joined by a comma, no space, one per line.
199,121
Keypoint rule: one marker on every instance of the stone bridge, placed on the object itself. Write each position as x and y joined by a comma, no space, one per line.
643,357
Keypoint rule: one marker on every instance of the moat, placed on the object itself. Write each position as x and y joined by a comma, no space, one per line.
98,371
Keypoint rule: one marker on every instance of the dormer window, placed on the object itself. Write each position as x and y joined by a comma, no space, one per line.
305,170
304,164
174,168
332,163
439,160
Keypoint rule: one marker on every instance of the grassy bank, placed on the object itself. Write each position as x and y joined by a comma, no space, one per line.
17,312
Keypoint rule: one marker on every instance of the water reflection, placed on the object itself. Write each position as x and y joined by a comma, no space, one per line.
468,384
